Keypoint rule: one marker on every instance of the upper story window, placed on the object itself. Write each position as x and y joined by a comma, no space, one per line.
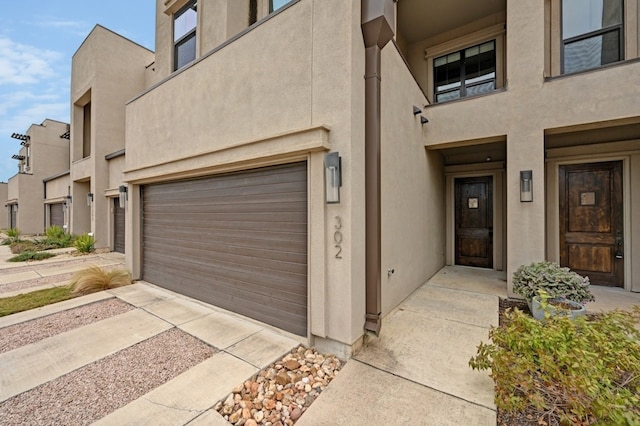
467,72
184,35
592,33
276,4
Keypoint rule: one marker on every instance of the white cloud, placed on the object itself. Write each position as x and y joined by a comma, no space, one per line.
21,64
74,27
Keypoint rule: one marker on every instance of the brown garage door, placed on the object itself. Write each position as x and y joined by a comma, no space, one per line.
238,241
56,215
118,226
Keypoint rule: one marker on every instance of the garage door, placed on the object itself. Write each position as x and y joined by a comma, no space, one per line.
56,215
118,226
237,241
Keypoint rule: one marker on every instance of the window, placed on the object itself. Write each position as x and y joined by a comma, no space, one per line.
592,33
276,4
184,35
467,72
86,131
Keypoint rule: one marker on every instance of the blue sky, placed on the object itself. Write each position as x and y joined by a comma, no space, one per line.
37,40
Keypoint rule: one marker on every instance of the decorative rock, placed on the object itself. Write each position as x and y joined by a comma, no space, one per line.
280,393
295,414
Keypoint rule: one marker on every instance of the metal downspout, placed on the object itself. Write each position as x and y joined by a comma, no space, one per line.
377,29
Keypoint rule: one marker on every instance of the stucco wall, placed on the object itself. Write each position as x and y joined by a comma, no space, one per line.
265,98
107,70
413,213
4,194
58,188
116,172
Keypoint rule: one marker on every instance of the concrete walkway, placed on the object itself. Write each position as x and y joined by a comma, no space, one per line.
416,371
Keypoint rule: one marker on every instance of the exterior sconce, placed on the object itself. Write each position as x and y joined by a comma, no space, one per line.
416,110
89,199
332,177
122,189
526,186
423,120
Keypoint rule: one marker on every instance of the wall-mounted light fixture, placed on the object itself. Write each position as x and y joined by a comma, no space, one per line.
423,120
416,110
89,199
332,177
122,189
526,186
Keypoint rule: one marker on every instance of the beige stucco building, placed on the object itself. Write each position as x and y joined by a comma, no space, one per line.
43,152
507,132
107,70
310,163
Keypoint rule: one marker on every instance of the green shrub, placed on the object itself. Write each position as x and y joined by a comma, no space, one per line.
85,243
580,371
13,233
31,255
95,278
557,281
55,232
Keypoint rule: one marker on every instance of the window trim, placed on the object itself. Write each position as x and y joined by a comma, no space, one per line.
185,37
591,34
463,87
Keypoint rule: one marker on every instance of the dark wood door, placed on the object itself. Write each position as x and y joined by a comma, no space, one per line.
591,221
474,221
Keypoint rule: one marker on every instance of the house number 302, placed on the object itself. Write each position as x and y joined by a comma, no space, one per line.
337,237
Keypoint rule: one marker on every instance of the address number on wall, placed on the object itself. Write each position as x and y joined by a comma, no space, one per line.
337,237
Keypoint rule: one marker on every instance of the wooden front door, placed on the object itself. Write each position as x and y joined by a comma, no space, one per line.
591,221
474,221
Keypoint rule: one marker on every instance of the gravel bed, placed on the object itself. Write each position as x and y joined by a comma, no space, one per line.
54,280
279,394
91,392
18,335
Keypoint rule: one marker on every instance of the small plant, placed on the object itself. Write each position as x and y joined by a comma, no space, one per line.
563,371
54,232
557,281
31,255
95,279
85,243
13,233
13,236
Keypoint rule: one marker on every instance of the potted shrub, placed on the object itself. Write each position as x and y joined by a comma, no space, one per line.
546,286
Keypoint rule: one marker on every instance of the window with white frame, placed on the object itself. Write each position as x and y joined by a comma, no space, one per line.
592,34
184,35
467,72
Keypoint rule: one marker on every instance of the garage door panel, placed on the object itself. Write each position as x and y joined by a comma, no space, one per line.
285,243
240,290
267,181
282,260
237,241
56,214
242,262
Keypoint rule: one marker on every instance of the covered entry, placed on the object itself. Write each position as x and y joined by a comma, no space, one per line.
238,241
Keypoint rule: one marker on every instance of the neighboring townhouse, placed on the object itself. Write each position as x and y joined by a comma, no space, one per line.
4,195
44,151
107,71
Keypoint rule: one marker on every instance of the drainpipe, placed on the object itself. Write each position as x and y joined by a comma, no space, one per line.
377,24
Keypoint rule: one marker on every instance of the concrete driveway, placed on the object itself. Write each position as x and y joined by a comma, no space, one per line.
244,346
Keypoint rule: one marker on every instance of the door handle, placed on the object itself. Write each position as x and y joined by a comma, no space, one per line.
619,246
